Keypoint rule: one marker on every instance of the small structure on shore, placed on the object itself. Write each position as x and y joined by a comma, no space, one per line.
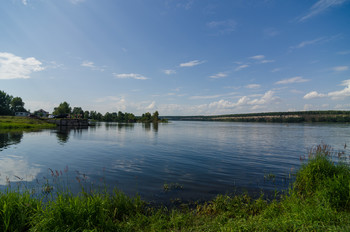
22,114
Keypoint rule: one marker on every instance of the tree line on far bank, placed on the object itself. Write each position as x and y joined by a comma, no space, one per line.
9,105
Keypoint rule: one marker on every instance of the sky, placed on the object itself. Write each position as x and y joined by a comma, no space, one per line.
180,57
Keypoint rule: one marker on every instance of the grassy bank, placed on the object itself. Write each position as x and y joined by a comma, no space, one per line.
319,200
12,122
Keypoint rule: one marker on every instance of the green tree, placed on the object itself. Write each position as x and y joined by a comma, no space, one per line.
78,112
86,114
63,108
108,117
155,116
17,105
5,103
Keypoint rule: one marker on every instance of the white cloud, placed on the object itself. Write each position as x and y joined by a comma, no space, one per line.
88,64
218,75
169,71
151,106
191,63
319,7
257,57
15,67
24,2
292,80
243,66
314,94
223,27
266,98
340,68
253,86
341,93
130,76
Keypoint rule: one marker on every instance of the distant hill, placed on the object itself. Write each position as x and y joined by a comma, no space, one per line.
330,116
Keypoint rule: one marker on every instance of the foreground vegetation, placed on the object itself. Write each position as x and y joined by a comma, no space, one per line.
329,116
12,122
319,200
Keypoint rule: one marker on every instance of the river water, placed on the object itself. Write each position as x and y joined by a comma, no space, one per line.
176,160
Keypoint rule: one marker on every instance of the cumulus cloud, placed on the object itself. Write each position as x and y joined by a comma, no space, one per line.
218,75
340,94
191,63
319,7
292,80
151,106
130,76
266,98
314,94
340,68
15,67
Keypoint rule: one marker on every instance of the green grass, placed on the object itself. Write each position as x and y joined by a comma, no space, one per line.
12,122
318,200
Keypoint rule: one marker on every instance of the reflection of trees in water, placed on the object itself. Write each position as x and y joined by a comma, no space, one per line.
146,126
119,126
10,138
63,133
155,126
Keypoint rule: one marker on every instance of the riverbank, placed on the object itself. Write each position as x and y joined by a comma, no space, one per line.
330,116
13,122
319,200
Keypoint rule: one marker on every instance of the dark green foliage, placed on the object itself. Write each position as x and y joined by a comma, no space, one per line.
62,109
9,105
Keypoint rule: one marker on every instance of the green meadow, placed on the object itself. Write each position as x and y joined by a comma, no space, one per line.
13,122
317,200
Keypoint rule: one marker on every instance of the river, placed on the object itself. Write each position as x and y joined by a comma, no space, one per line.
175,160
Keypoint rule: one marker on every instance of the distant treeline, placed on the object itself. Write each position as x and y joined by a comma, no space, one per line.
279,117
9,105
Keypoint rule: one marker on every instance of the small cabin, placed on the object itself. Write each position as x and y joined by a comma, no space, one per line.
22,114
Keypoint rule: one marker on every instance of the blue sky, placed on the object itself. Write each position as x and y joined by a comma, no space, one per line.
180,57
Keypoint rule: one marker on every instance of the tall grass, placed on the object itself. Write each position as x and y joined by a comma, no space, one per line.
318,200
13,122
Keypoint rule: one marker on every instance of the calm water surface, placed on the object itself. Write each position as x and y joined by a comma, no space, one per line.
205,158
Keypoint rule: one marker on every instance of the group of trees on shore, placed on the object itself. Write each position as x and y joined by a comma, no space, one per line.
9,104
77,112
